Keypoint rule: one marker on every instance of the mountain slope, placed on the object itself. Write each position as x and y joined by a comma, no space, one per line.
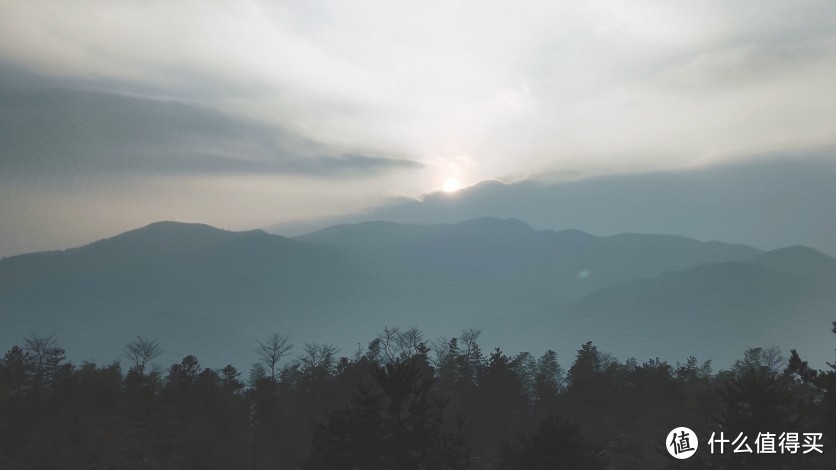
803,261
211,293
518,267
195,287
714,310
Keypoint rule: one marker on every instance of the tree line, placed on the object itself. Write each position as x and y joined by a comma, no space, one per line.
403,402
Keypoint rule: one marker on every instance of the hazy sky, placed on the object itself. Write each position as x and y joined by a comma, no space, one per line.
114,114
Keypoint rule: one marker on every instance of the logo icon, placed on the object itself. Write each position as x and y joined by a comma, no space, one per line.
682,443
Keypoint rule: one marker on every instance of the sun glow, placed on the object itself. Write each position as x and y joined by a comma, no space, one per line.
452,185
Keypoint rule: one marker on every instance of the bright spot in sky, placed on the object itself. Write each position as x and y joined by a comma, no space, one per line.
452,185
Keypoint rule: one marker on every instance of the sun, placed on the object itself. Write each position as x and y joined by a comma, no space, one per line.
451,185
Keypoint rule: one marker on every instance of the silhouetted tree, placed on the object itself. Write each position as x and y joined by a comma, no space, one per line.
56,415
833,364
587,378
17,367
46,356
257,374
501,391
826,382
317,363
769,361
395,425
141,352
373,352
798,369
553,445
271,351
692,371
757,397
548,381
587,365
473,359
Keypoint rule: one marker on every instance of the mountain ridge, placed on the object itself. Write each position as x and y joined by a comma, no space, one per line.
193,285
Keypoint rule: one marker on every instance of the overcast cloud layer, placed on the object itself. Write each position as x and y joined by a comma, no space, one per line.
114,114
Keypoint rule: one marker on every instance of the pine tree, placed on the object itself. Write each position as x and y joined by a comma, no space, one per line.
397,424
553,445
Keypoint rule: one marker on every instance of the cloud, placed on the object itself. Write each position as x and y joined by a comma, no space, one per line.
591,86
51,133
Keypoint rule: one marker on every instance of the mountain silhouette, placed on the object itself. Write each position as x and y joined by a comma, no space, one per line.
716,309
205,291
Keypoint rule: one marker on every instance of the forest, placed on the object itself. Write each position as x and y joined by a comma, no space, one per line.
403,402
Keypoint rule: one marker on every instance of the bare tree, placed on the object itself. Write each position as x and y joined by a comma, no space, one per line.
318,356
316,364
272,350
397,344
389,342
46,356
142,351
769,361
441,347
469,338
411,343
773,360
39,346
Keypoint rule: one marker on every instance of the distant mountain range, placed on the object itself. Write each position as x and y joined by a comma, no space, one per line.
767,202
211,292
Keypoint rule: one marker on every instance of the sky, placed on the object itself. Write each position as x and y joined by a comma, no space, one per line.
242,114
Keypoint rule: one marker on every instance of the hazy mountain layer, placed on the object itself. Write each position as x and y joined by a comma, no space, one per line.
210,292
713,310
766,202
